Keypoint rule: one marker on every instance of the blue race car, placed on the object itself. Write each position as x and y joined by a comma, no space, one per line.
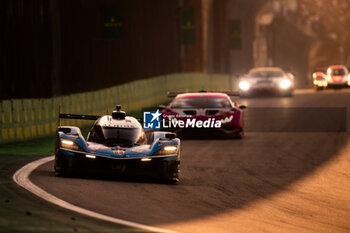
117,145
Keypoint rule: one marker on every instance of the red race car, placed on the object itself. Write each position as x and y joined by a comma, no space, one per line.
201,112
319,80
337,76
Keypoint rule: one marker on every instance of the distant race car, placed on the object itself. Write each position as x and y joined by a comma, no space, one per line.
319,80
117,145
337,76
204,112
267,80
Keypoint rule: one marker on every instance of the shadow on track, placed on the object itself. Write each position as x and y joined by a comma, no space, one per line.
217,175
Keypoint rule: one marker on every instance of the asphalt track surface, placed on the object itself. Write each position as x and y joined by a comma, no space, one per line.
268,182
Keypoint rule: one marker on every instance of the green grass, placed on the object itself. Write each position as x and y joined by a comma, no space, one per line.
41,146
37,146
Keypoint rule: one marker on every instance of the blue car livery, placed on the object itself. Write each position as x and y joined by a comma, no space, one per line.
116,145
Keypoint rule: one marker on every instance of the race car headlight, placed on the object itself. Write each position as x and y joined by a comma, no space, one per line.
167,150
90,156
244,85
285,83
69,144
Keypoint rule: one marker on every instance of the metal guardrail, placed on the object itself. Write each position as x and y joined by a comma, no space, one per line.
22,119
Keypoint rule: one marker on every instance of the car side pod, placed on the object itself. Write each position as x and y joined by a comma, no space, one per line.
166,143
68,138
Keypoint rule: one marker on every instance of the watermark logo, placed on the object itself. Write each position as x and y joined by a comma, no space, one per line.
190,122
151,120
157,120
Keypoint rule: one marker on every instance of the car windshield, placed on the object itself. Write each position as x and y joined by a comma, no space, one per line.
201,102
338,72
266,74
112,136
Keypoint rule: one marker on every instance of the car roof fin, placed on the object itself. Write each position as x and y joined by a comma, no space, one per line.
117,114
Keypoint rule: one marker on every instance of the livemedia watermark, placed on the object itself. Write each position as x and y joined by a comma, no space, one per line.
155,120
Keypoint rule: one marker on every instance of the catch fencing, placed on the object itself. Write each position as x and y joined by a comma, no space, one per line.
23,119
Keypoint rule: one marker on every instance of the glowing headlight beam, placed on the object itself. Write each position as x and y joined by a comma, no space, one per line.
244,85
90,156
146,159
170,148
285,83
167,150
227,119
67,142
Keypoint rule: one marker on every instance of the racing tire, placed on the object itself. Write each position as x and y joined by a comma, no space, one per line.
244,94
318,88
170,173
64,167
238,135
288,94
60,170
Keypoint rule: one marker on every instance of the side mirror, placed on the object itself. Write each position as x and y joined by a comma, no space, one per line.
161,107
69,130
64,130
242,107
290,75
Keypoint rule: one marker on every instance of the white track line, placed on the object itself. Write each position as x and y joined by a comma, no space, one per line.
21,177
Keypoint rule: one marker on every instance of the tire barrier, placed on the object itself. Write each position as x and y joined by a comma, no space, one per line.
23,119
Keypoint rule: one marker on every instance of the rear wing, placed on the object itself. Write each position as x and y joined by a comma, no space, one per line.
74,116
78,116
172,94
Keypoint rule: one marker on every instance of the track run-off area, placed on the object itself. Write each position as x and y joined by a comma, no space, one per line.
280,180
